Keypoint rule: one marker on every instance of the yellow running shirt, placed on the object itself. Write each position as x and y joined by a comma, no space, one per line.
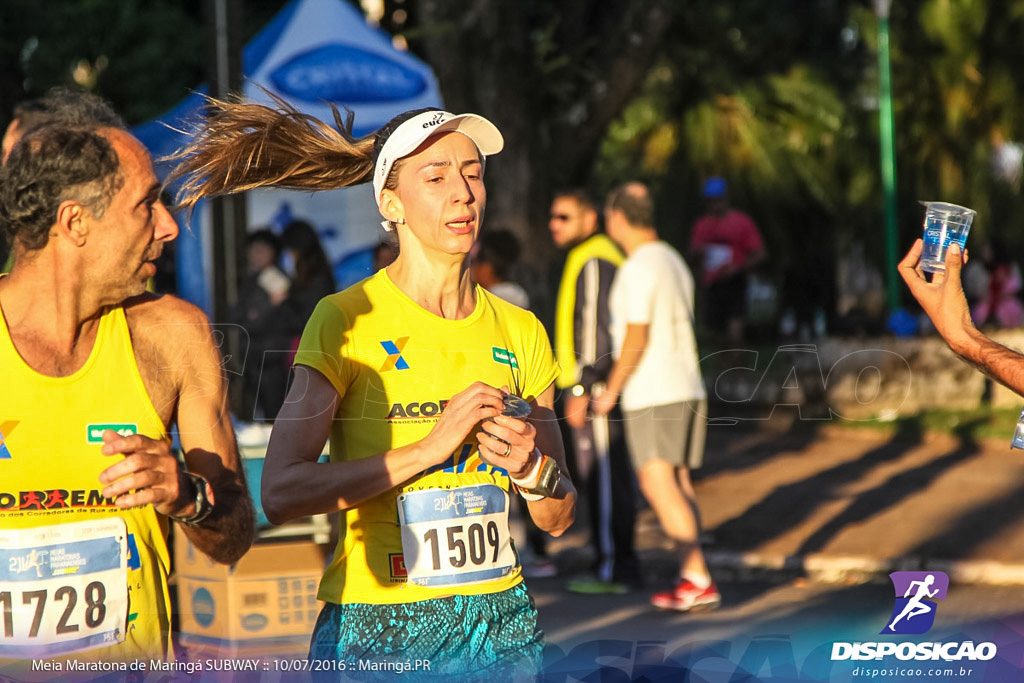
79,578
395,366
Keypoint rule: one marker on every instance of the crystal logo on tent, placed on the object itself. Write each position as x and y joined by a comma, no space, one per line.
342,73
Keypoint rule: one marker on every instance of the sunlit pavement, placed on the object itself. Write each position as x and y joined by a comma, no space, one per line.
803,528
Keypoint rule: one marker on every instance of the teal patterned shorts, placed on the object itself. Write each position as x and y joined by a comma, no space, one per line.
492,637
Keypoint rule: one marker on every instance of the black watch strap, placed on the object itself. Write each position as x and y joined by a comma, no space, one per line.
203,505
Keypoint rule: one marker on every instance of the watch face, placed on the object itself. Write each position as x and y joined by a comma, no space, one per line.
204,505
578,390
549,477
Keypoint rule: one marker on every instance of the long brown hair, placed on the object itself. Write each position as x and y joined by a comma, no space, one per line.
243,145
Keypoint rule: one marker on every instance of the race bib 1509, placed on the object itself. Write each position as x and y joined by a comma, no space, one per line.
456,536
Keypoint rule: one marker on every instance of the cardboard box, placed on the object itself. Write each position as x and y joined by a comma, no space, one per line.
268,594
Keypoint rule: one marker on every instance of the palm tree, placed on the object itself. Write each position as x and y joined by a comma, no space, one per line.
958,105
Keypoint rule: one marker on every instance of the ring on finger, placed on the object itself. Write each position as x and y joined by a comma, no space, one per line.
508,449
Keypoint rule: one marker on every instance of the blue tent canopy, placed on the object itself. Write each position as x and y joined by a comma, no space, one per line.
313,53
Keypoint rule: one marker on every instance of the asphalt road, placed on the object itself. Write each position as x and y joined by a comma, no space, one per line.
771,631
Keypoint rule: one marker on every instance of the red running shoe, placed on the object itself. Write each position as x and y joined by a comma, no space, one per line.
685,597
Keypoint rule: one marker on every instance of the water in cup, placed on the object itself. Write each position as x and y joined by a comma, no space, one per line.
944,224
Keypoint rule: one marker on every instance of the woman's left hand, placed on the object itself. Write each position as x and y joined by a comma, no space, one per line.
508,443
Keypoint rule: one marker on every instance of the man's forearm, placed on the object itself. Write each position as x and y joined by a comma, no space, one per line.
228,532
633,347
1002,364
623,370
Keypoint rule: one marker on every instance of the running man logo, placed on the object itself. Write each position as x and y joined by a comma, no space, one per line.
394,350
914,611
5,430
35,560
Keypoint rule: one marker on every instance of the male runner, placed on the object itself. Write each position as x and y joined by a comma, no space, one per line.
95,372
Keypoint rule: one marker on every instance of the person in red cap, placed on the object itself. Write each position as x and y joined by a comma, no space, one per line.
727,244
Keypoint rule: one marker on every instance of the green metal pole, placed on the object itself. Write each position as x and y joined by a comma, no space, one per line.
888,155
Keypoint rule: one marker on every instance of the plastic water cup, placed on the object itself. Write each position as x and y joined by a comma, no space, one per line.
944,224
1018,433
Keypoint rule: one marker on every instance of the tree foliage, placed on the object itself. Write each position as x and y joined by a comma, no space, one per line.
553,76
142,55
779,97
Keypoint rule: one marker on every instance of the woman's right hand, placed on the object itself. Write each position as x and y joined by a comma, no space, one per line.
465,410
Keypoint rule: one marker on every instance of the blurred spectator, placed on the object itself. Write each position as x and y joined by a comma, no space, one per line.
583,347
385,253
264,375
61,105
306,263
728,245
860,304
992,284
27,115
495,253
658,378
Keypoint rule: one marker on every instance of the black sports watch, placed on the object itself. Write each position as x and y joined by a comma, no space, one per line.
202,494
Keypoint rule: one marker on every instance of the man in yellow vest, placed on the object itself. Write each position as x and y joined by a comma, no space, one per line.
583,348
95,371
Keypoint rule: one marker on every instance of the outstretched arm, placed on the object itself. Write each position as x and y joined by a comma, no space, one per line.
912,587
943,300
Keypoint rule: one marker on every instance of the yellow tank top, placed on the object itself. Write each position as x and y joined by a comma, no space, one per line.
395,365
50,494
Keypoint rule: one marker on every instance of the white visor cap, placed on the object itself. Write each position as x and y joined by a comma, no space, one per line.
414,132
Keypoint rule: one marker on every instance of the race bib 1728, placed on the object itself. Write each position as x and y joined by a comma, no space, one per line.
63,588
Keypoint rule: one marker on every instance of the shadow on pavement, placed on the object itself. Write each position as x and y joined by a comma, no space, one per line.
872,503
790,505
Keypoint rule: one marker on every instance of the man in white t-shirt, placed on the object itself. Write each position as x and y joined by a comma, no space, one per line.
657,379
